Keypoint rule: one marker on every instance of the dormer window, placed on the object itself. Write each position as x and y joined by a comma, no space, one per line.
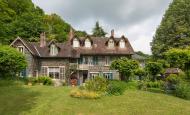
20,49
111,43
122,43
87,43
75,43
53,50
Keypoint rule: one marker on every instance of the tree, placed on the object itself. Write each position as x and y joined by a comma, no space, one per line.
153,68
179,58
56,28
98,31
81,33
126,67
140,72
11,61
174,30
22,18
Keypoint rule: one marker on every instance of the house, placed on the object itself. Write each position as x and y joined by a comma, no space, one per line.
77,58
141,59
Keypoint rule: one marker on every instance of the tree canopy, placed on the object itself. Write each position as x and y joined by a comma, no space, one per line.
125,66
98,31
24,19
11,61
174,30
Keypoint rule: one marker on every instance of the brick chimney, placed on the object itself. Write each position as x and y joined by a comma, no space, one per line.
112,33
71,33
42,39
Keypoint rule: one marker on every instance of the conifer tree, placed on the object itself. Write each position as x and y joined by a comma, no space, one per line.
174,30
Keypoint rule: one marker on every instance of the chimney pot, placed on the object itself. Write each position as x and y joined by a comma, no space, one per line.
42,39
112,33
71,33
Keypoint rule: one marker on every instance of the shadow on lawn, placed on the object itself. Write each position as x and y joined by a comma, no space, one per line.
15,98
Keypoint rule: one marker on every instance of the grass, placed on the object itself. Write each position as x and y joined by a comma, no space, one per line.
48,100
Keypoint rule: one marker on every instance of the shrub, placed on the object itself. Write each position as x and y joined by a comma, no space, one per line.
77,93
11,62
116,87
171,82
182,90
45,80
32,80
144,85
98,84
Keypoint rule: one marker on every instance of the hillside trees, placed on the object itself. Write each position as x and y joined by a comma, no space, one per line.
24,19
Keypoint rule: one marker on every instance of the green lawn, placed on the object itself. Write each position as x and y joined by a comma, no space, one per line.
48,100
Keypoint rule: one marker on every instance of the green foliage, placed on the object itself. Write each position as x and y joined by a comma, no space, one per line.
126,67
98,84
173,79
174,30
183,90
11,61
178,57
45,80
98,31
171,82
140,72
116,87
153,68
77,93
42,79
24,19
56,28
81,33
145,85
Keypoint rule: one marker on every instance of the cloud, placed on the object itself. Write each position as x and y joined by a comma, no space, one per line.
137,19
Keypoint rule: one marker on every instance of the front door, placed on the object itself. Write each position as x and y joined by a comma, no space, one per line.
84,77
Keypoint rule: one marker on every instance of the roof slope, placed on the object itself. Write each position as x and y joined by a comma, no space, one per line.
66,50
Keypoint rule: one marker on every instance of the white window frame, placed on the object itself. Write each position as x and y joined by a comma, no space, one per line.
107,60
76,43
47,74
87,43
122,43
111,43
19,49
53,50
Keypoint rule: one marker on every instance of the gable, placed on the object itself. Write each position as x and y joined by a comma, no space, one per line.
19,42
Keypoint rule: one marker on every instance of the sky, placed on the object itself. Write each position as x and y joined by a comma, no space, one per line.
135,19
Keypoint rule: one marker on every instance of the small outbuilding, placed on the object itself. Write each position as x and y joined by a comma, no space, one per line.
172,71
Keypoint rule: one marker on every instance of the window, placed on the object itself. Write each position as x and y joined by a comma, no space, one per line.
111,43
62,72
54,72
87,43
93,75
44,71
108,75
122,43
53,50
95,60
20,49
75,43
107,60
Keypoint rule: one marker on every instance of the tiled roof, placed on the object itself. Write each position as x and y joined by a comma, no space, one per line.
172,71
66,49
